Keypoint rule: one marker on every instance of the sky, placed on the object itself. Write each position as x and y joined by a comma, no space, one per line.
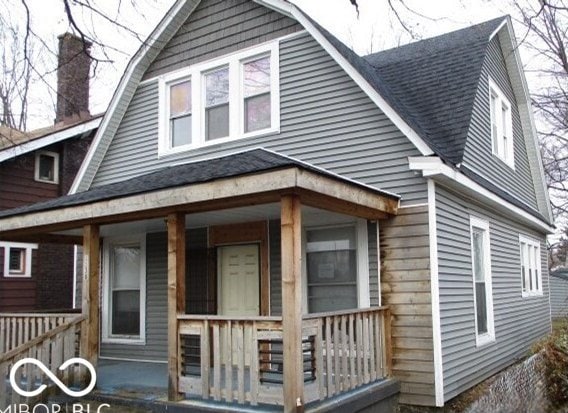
374,29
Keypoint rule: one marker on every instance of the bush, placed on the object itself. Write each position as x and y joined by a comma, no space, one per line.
554,348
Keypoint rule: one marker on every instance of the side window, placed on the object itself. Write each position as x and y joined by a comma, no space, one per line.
501,125
47,167
17,259
482,289
180,113
531,277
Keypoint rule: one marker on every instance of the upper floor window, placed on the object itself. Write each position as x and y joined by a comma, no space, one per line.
482,290
531,277
47,167
17,259
501,125
228,98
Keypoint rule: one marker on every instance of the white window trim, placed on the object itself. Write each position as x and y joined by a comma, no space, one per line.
196,73
55,157
534,243
28,257
482,339
509,157
106,314
361,236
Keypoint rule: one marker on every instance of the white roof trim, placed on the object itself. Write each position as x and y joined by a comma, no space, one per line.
433,167
286,7
49,139
150,42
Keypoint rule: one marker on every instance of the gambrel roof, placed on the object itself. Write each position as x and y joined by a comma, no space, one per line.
426,89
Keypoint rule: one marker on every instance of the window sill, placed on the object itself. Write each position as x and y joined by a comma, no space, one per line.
186,148
45,181
508,164
17,276
484,339
532,294
129,341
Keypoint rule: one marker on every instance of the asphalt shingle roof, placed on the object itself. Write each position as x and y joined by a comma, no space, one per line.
243,163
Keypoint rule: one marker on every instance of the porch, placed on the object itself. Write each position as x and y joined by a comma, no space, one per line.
244,357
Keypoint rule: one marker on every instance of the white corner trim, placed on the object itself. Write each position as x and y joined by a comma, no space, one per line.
74,292
363,264
378,230
435,291
50,139
148,45
286,7
435,168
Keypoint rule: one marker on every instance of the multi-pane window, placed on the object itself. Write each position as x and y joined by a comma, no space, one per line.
180,113
257,94
47,167
531,277
331,255
17,259
124,289
481,271
217,104
231,97
501,125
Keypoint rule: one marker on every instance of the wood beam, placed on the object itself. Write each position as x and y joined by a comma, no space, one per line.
90,304
291,238
176,297
47,239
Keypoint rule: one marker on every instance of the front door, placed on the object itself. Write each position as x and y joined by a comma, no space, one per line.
239,291
239,280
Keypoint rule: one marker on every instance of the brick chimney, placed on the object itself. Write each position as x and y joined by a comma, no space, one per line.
73,68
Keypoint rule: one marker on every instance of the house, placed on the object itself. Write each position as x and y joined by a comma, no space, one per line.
284,222
39,165
559,293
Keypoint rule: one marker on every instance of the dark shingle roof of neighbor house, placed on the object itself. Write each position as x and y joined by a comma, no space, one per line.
228,166
560,273
431,83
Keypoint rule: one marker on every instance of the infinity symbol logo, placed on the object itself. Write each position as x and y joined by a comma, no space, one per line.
53,377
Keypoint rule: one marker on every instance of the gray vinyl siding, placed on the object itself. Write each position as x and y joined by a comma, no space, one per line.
478,153
519,321
217,28
275,268
156,345
558,296
325,119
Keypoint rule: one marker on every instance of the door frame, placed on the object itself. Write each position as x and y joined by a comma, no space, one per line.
247,233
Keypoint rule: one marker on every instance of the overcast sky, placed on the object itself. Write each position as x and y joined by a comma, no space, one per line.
375,29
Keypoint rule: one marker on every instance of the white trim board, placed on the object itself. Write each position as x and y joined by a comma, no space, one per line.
435,168
435,292
50,139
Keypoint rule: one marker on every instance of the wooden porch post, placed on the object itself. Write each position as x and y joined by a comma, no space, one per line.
291,238
176,297
90,299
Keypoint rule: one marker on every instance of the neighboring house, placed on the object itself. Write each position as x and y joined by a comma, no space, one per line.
559,293
40,165
255,181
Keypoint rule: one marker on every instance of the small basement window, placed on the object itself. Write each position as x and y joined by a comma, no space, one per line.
47,167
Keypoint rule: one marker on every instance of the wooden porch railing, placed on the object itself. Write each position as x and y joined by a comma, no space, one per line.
51,348
19,328
239,359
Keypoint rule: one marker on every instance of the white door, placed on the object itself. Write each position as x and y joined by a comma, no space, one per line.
239,292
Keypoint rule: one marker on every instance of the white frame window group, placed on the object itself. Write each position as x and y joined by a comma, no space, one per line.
531,270
481,274
113,283
232,97
21,254
50,160
502,141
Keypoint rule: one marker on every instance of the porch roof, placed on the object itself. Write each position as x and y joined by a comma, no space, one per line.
196,186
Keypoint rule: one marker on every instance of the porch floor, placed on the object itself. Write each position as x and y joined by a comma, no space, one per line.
140,380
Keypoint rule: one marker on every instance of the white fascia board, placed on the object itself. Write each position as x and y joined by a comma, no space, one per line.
50,139
435,168
288,8
150,44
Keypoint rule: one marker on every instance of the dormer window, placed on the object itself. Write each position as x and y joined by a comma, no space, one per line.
501,125
229,98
